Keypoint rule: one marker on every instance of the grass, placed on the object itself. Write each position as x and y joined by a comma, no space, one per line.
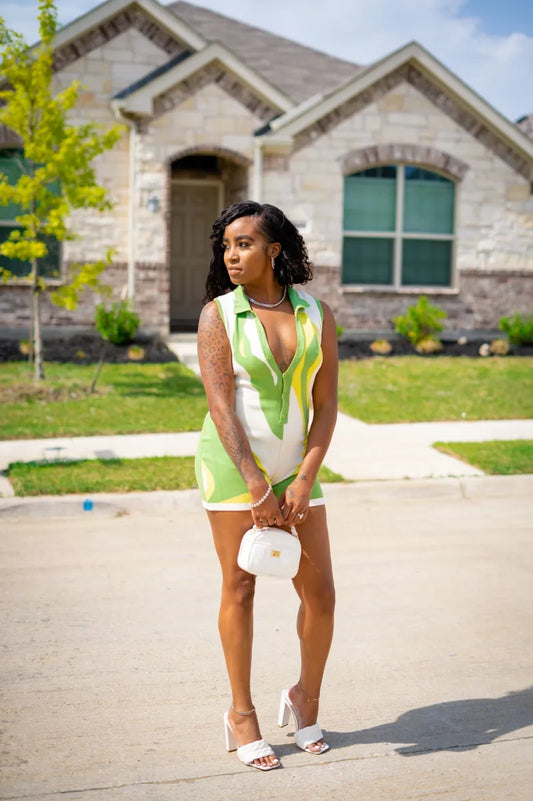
111,475
408,389
497,457
133,398
129,398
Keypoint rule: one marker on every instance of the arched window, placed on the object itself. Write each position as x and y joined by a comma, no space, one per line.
398,227
12,166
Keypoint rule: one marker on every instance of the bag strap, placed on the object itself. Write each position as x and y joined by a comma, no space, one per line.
293,531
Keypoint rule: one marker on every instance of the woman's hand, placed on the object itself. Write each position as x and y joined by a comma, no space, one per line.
295,501
268,512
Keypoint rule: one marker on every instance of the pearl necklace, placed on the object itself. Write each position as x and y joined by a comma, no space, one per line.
269,305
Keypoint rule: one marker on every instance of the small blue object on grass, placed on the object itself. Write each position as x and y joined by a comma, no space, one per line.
87,505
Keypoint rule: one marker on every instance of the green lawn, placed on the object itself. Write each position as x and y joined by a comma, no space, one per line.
129,398
111,475
499,457
134,398
407,389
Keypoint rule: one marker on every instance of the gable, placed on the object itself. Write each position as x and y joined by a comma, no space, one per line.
412,65
109,20
183,76
107,69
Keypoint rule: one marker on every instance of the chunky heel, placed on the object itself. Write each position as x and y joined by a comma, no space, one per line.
231,745
284,714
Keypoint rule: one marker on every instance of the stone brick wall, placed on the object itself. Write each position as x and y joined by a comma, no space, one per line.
152,301
494,228
485,297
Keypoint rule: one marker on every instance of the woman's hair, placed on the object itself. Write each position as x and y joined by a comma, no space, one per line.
292,265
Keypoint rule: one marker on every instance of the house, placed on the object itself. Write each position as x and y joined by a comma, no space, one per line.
400,177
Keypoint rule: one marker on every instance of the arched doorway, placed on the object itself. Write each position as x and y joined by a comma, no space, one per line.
202,184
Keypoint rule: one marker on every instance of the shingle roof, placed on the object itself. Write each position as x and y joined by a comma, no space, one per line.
298,71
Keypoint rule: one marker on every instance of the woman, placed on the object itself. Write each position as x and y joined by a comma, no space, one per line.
268,355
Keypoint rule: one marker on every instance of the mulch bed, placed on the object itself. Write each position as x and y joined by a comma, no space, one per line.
87,349
358,347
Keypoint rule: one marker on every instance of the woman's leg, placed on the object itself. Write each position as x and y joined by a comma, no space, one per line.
315,587
235,623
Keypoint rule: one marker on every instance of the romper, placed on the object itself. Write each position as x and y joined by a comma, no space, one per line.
273,407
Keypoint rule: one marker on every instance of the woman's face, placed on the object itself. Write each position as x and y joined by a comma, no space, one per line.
247,253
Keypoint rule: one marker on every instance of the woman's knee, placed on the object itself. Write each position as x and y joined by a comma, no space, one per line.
239,589
320,599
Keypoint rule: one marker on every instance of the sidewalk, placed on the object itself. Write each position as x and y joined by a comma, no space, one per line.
358,451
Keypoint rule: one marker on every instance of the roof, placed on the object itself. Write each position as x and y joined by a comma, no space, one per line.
284,63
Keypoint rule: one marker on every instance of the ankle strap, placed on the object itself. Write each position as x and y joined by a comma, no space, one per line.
243,714
306,699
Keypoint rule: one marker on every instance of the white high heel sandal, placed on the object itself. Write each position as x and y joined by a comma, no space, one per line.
251,751
305,737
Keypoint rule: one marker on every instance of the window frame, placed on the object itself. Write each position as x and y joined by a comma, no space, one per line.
11,224
398,236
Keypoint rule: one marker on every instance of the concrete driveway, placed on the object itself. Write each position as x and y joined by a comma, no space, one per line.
113,681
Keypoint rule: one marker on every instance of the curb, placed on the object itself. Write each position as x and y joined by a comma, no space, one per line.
163,503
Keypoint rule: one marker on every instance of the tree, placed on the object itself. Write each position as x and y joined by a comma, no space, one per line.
54,170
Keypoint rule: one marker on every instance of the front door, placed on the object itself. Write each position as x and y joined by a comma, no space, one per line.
195,206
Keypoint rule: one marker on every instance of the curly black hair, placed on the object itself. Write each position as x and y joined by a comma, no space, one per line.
292,265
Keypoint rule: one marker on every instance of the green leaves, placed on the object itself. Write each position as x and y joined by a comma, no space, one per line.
420,322
56,171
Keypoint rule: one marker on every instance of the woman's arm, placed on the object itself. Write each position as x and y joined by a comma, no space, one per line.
324,418
214,357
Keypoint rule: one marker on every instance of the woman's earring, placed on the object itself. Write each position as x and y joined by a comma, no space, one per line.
273,262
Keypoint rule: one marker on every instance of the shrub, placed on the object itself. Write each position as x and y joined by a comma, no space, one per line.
499,347
136,353
420,322
519,329
381,347
429,345
118,324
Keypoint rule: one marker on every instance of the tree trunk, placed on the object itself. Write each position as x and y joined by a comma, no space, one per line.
98,367
36,323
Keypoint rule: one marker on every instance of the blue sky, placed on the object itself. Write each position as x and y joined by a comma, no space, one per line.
487,43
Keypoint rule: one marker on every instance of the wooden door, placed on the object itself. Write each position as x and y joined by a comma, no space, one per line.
195,206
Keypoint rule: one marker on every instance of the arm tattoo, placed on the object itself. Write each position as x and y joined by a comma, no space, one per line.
215,363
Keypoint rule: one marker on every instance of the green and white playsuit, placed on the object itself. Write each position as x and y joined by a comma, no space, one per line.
273,407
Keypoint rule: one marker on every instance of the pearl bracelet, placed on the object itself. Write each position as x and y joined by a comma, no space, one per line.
263,499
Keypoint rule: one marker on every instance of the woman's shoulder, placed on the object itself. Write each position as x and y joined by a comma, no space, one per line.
311,300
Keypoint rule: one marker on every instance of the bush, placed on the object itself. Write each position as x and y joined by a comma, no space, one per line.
519,329
381,347
428,345
499,347
118,324
420,322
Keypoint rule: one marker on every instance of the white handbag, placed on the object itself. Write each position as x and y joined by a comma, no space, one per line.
270,551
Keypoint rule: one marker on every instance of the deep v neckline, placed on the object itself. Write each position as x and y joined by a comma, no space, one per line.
267,350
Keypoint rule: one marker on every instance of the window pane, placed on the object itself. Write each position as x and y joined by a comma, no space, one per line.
426,263
370,200
428,202
49,266
367,261
11,167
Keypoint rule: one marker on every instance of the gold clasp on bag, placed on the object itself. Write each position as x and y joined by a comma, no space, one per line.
275,553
